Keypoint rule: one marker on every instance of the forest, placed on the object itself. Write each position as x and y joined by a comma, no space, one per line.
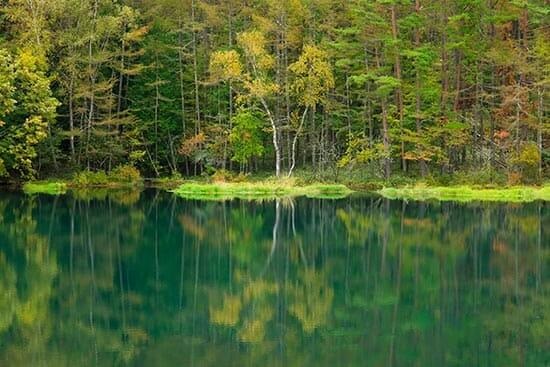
327,88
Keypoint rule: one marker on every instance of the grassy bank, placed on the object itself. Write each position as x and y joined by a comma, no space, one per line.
45,187
468,193
226,185
259,190
120,178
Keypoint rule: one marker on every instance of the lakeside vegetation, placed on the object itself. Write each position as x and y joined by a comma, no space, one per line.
223,186
119,178
466,193
44,187
259,190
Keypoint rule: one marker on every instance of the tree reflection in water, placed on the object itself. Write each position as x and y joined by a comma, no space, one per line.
105,278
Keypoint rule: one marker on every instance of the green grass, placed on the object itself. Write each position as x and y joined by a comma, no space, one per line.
468,193
122,177
49,188
258,190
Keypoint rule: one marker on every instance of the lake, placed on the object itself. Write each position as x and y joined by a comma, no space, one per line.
115,278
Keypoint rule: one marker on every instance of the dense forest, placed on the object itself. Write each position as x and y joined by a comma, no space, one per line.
189,87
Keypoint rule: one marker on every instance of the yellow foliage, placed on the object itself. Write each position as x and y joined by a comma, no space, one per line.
262,89
137,335
312,300
8,293
259,288
191,226
253,331
254,44
313,76
228,315
225,65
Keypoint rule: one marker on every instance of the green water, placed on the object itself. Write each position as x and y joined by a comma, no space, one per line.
146,279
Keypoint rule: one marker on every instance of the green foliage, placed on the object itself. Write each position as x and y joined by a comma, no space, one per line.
466,193
121,175
50,188
247,137
27,107
258,191
90,179
125,174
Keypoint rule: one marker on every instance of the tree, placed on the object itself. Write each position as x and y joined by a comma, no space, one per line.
246,137
312,80
27,107
256,81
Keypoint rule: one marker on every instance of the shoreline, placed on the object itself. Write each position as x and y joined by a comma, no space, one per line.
273,189
515,194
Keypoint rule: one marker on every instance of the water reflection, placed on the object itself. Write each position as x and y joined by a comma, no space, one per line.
146,279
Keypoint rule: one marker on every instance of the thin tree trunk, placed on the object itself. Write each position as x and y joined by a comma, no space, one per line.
295,142
540,127
458,81
385,129
92,87
230,83
157,104
275,138
195,72
399,90
444,57
71,117
423,165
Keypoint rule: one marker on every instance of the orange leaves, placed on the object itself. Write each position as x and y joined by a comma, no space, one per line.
189,146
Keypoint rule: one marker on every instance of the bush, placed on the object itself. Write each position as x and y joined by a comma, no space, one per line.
121,175
222,175
515,178
89,178
527,163
125,174
483,177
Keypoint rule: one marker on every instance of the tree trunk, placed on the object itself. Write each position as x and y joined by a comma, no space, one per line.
275,138
195,72
385,129
295,142
399,91
423,165
71,117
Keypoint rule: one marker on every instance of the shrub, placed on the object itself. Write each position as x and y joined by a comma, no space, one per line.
222,175
121,175
125,174
484,177
527,162
514,178
89,178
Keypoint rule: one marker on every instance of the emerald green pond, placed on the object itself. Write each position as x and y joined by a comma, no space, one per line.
105,278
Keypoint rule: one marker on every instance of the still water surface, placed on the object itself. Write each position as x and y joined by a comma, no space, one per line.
146,279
